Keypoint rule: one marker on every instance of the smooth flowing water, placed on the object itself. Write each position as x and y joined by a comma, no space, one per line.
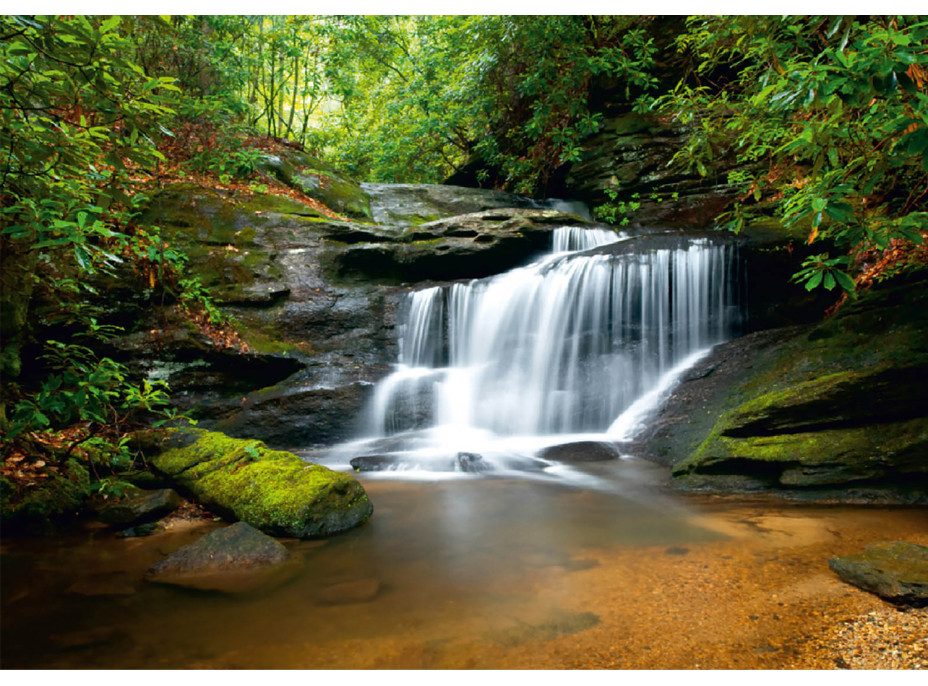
581,343
489,574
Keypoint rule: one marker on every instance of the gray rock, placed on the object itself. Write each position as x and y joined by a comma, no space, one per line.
375,463
897,572
411,204
580,451
138,507
472,462
234,559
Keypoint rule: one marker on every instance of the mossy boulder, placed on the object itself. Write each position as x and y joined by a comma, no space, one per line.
37,507
320,181
841,406
274,491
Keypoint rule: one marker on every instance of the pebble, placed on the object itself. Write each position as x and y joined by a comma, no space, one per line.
888,638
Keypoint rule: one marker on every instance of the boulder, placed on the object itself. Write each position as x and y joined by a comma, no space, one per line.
836,411
320,181
274,491
375,463
580,451
137,506
897,572
412,204
472,463
466,246
234,559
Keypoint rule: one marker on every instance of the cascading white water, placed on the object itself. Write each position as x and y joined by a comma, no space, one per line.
564,345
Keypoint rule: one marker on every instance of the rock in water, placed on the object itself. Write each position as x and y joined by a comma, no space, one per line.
374,463
471,462
580,451
233,559
273,490
897,572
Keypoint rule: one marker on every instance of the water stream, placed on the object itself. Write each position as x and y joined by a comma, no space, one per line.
581,344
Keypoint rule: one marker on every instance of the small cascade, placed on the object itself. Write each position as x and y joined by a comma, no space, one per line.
583,341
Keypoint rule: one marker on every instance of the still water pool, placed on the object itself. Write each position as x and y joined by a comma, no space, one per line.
467,573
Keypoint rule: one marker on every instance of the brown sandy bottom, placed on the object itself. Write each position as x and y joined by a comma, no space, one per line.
516,577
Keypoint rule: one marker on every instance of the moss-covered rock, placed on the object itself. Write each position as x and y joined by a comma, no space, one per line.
838,405
274,491
320,181
37,507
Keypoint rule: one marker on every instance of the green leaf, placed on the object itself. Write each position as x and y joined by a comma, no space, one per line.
814,281
844,280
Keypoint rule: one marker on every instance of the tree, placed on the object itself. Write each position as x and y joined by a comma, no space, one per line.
78,117
828,115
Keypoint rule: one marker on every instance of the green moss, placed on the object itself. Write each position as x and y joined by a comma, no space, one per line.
265,343
836,405
59,496
272,490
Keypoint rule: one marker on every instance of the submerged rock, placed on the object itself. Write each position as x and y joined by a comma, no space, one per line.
234,559
350,592
897,572
274,491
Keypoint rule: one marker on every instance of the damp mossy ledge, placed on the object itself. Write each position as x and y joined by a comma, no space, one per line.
273,490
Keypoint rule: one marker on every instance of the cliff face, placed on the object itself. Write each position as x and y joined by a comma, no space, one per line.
837,410
314,298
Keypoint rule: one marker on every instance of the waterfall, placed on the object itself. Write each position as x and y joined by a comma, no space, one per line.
564,345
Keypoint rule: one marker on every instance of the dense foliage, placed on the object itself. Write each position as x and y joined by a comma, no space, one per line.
78,116
825,117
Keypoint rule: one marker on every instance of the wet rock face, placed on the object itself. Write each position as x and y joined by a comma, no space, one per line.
467,246
897,572
631,157
837,411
